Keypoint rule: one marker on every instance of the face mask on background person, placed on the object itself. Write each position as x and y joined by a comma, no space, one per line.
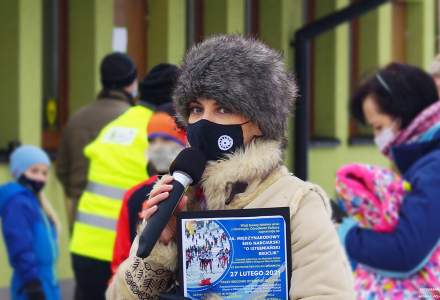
161,155
215,140
35,185
384,139
135,93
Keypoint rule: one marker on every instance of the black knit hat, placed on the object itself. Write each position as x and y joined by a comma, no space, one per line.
157,86
117,71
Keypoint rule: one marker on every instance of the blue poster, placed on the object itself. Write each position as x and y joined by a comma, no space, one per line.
235,257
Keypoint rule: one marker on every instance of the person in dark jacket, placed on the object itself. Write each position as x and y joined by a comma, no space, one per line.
119,87
166,140
401,104
28,230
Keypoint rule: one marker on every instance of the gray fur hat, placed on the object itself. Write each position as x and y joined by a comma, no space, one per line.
244,76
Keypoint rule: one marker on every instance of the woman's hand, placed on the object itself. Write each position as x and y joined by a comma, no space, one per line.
160,193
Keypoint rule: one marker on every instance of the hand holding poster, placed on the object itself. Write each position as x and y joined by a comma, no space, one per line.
235,254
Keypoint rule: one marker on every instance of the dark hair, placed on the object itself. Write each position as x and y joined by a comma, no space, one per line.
171,110
117,71
157,86
167,108
401,91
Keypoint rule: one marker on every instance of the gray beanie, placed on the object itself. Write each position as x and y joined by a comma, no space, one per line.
244,76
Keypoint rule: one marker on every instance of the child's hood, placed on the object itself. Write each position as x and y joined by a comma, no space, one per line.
7,191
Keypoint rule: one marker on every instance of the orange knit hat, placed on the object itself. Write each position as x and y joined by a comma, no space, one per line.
163,125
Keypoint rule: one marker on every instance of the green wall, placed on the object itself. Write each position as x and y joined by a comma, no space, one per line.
29,68
90,39
166,31
420,18
223,16
20,72
9,57
375,40
279,19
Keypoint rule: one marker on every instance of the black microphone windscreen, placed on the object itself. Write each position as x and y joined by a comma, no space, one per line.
191,161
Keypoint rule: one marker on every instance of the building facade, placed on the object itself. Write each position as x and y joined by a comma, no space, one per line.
51,50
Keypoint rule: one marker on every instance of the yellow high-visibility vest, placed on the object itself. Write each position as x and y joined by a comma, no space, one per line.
116,163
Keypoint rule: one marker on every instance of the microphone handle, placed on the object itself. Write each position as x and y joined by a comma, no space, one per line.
151,233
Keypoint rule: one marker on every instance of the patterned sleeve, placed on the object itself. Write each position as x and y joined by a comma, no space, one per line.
146,278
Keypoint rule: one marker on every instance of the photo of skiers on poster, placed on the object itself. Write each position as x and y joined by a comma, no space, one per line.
207,252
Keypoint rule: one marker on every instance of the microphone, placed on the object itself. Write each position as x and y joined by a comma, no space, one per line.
187,169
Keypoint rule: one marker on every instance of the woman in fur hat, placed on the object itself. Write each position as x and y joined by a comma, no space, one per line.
236,87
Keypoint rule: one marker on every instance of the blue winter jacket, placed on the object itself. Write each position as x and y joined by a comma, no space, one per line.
30,240
405,250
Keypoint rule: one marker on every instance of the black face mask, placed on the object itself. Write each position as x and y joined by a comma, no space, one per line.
215,140
34,185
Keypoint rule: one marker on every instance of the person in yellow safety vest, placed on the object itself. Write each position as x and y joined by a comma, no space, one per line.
116,163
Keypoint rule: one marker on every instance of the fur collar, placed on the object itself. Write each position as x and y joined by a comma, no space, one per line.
248,168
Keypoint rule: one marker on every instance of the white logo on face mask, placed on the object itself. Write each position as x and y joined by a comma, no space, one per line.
384,138
225,142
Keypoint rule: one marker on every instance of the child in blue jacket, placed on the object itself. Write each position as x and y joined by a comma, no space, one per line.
28,229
